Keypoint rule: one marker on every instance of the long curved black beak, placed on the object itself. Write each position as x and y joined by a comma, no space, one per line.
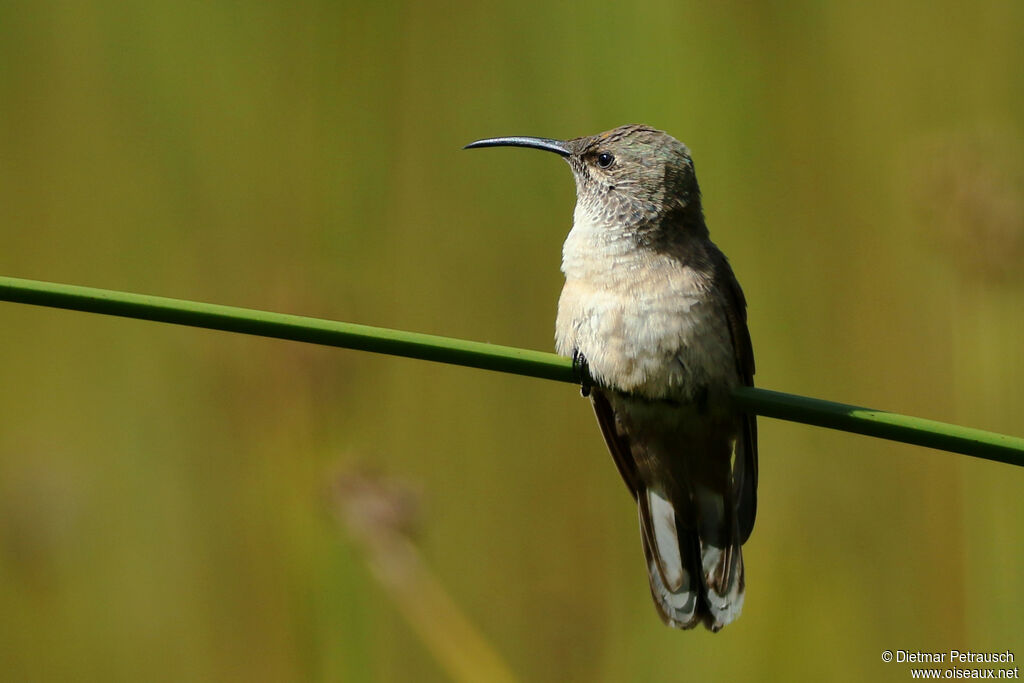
559,147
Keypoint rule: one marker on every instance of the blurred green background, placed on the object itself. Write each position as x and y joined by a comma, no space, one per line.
163,506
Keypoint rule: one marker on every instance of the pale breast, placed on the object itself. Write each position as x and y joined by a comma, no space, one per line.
645,323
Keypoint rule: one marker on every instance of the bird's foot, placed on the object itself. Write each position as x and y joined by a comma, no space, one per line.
582,370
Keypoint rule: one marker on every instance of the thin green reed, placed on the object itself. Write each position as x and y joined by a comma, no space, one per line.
877,423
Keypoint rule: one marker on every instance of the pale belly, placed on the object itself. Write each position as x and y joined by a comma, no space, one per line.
669,344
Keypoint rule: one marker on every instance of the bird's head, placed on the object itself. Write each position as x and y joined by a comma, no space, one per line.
629,176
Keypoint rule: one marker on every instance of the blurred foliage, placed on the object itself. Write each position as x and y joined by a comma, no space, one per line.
163,505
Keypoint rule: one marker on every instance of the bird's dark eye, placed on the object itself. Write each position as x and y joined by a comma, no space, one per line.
604,159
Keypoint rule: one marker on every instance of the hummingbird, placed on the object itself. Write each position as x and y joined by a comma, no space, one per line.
655,322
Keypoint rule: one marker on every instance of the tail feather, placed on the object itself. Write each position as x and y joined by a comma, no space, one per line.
723,581
696,575
675,587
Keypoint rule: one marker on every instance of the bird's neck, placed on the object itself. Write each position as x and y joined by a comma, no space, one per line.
609,248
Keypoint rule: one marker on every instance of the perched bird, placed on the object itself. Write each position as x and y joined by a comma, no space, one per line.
654,318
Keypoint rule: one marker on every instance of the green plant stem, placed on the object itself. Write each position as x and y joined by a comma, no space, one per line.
892,426
882,424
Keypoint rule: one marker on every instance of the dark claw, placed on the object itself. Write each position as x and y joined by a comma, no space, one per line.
582,370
